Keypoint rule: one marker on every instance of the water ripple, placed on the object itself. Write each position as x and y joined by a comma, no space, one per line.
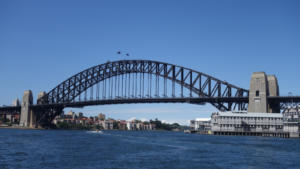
142,149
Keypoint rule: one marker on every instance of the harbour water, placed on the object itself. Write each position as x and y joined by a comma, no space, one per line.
142,149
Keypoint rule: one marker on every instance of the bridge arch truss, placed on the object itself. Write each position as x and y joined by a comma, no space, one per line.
143,80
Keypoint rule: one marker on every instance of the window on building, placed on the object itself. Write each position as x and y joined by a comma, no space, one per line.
257,93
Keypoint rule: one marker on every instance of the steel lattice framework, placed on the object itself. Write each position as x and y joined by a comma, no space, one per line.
144,80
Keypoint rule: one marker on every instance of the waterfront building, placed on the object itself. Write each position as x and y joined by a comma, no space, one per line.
201,125
15,118
138,125
122,125
129,125
10,118
291,121
152,126
107,124
101,116
82,120
244,123
100,121
70,115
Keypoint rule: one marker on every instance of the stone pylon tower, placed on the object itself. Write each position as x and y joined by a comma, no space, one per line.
40,95
34,115
25,109
273,91
262,86
258,92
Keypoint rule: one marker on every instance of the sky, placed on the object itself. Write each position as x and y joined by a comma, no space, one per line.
42,43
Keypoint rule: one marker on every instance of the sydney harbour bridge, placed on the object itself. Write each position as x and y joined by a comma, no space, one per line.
135,81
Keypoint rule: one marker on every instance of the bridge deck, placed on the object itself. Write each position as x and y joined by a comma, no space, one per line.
284,99
146,100
279,99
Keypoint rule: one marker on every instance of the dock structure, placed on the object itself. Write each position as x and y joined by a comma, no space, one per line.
263,134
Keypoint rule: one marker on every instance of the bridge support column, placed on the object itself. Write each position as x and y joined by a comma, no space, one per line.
15,103
262,86
258,93
38,114
25,109
273,91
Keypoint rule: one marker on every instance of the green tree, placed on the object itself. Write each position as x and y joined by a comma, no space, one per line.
115,125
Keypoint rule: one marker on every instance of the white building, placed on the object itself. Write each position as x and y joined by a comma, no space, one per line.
291,121
129,125
244,123
107,124
201,125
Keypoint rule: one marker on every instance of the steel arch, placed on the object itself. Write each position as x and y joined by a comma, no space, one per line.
199,83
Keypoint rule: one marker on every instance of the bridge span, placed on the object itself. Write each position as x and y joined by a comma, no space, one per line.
146,81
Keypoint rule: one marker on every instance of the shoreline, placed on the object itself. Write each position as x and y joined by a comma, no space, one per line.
21,128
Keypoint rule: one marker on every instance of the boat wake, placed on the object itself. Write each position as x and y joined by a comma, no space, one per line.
95,132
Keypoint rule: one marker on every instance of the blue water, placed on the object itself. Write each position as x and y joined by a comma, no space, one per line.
142,149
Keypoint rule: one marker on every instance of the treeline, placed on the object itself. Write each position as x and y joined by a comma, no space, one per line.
165,126
65,125
7,122
159,125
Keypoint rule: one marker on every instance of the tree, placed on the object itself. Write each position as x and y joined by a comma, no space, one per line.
115,125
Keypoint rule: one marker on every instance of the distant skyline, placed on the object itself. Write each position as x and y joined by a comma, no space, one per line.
42,43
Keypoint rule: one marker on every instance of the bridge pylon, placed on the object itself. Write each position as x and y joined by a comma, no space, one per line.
26,113
28,116
37,113
273,91
262,86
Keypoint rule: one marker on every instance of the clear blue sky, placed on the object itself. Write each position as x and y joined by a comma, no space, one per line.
43,43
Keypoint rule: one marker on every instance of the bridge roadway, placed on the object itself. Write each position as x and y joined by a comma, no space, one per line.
145,100
10,110
284,99
193,100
